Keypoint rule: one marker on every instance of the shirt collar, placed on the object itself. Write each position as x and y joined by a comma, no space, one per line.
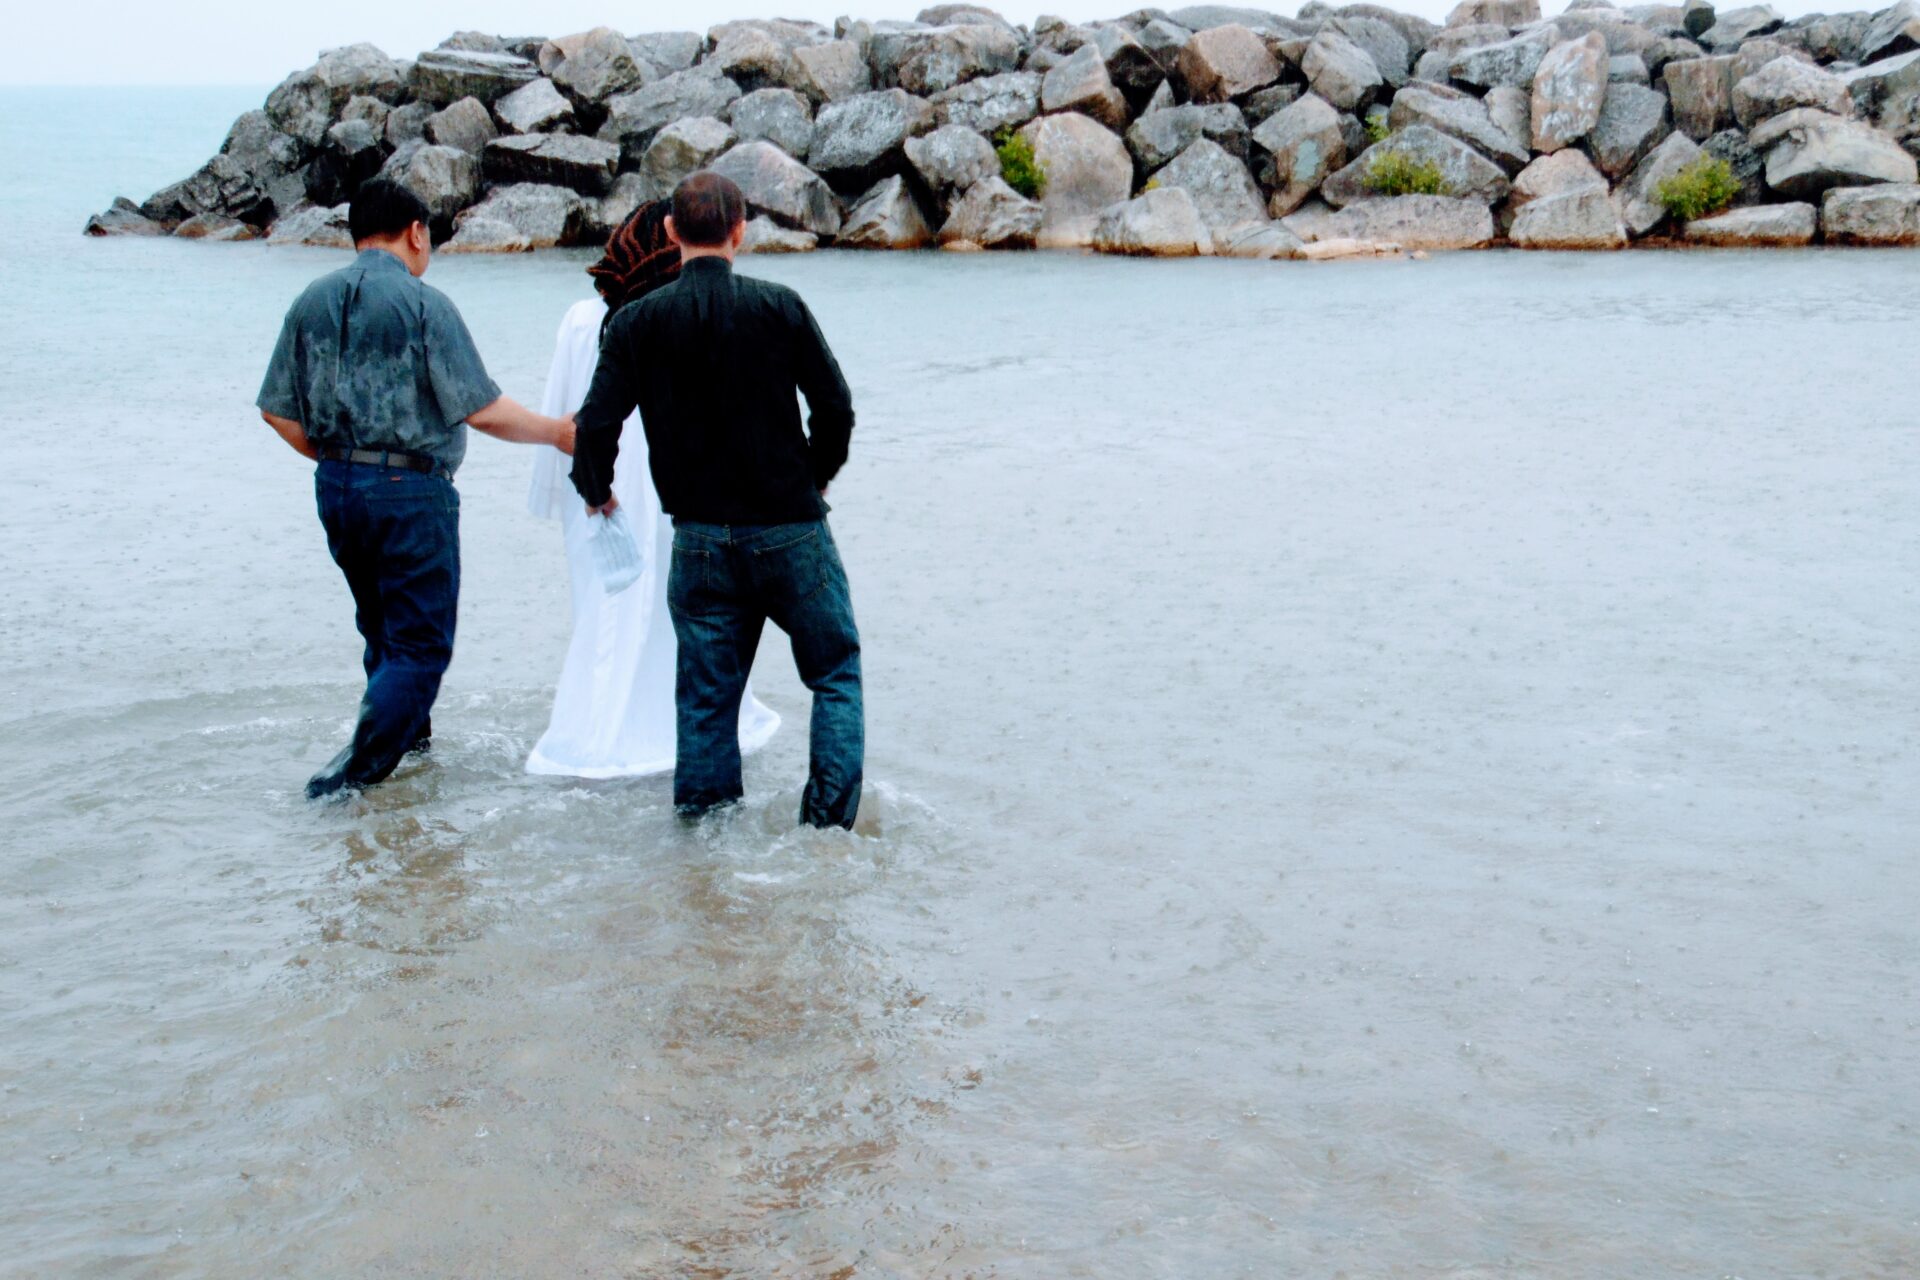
373,258
711,262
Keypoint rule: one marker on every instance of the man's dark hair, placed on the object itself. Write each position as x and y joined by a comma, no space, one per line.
381,208
706,209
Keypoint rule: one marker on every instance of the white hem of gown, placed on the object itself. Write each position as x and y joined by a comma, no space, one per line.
613,714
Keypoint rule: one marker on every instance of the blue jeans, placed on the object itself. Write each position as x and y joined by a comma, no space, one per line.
396,536
726,583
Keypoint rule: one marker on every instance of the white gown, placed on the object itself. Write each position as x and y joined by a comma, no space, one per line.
613,711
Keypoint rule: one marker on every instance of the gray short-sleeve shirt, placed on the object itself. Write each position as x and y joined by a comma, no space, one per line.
372,358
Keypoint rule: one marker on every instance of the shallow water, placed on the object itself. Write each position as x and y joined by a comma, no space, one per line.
1381,769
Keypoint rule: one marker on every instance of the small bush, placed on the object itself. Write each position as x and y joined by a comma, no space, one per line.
1700,190
1017,166
1376,122
1392,173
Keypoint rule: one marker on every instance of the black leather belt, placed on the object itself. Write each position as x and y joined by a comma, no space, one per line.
381,458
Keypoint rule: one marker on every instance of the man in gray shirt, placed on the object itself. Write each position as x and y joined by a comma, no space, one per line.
376,379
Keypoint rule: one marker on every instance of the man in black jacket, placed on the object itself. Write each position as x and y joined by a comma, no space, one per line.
713,362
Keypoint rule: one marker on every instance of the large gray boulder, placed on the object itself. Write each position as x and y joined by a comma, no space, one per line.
993,215
1568,91
123,218
591,66
1786,83
1749,167
1561,201
1161,223
1701,90
1894,30
1627,68
942,15
542,216
1258,241
1385,44
1258,106
759,54
447,178
1340,71
886,217
1460,116
1225,62
466,124
992,103
1621,34
1763,226
1658,55
441,76
633,118
764,235
779,116
351,154
1222,189
586,165
314,227
936,59
781,187
1413,222
1578,220
1207,17
1134,70
1697,17
1640,210
277,162
1884,214
1081,83
1632,122
1737,26
1159,136
1468,174
1510,110
1513,62
307,102
831,71
535,107
408,123
859,140
629,192
1888,92
1087,169
1303,144
1506,13
951,159
665,53
220,186
682,148
215,228
1818,151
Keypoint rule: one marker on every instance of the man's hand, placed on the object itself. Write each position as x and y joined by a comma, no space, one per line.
607,508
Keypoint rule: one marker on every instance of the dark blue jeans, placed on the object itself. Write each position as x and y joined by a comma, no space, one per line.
726,583
396,536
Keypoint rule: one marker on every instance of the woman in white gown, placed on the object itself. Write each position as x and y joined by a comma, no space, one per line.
613,713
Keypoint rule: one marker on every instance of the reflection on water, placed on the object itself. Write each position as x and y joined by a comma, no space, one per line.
1384,772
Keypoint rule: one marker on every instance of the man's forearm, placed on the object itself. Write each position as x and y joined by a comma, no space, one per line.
294,434
507,419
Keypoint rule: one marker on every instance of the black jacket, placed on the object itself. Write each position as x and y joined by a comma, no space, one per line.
713,362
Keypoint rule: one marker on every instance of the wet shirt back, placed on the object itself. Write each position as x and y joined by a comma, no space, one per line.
370,357
716,363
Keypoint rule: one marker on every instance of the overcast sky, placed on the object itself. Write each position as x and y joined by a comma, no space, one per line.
227,42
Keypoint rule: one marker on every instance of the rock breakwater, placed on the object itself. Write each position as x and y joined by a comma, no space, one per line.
1210,129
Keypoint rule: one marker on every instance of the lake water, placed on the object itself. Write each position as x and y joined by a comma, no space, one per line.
1380,770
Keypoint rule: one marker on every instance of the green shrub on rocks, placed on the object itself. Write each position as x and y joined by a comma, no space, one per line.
1018,168
1378,130
1393,174
1700,190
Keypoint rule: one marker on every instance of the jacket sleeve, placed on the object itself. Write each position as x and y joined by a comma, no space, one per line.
611,397
829,401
